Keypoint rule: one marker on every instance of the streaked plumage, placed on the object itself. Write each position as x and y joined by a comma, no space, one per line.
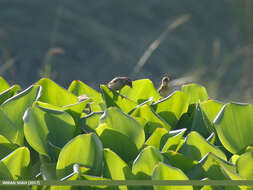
164,88
119,82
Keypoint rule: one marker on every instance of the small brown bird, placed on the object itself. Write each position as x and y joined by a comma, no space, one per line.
164,88
119,82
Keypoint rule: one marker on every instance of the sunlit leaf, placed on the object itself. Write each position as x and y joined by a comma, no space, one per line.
20,103
142,90
8,93
121,133
86,150
195,92
196,147
3,84
234,125
165,172
145,162
43,126
172,107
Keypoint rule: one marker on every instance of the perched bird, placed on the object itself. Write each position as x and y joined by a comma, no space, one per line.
119,82
164,88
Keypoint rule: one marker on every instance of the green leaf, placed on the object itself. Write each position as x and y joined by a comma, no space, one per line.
8,129
17,163
195,92
91,121
172,107
209,167
79,88
145,162
4,172
113,98
142,90
165,172
173,139
156,139
44,126
13,90
54,94
6,147
244,165
3,84
196,147
153,120
86,150
179,160
232,125
121,133
120,172
20,103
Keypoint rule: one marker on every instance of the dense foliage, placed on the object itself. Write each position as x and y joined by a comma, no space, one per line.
46,133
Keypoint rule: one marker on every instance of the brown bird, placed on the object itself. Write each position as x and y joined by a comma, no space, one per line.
164,88
119,82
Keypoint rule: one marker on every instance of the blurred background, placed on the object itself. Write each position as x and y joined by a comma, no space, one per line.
208,42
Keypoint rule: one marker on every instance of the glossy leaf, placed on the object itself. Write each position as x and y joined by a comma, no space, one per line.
196,147
43,126
86,150
8,93
195,92
156,139
90,122
179,160
234,126
20,103
209,167
165,172
3,84
114,99
17,163
121,133
145,162
54,94
6,147
172,107
79,88
244,165
121,172
142,90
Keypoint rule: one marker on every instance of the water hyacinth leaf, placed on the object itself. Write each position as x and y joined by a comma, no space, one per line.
173,139
17,163
96,178
142,90
210,109
7,127
114,99
234,126
121,133
165,172
244,165
197,93
86,150
20,103
54,94
209,167
145,162
156,138
79,88
90,122
44,126
199,124
13,90
172,107
4,172
3,84
6,147
196,147
121,172
179,160
153,120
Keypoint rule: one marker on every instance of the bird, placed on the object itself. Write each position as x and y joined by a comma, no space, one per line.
163,90
118,83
